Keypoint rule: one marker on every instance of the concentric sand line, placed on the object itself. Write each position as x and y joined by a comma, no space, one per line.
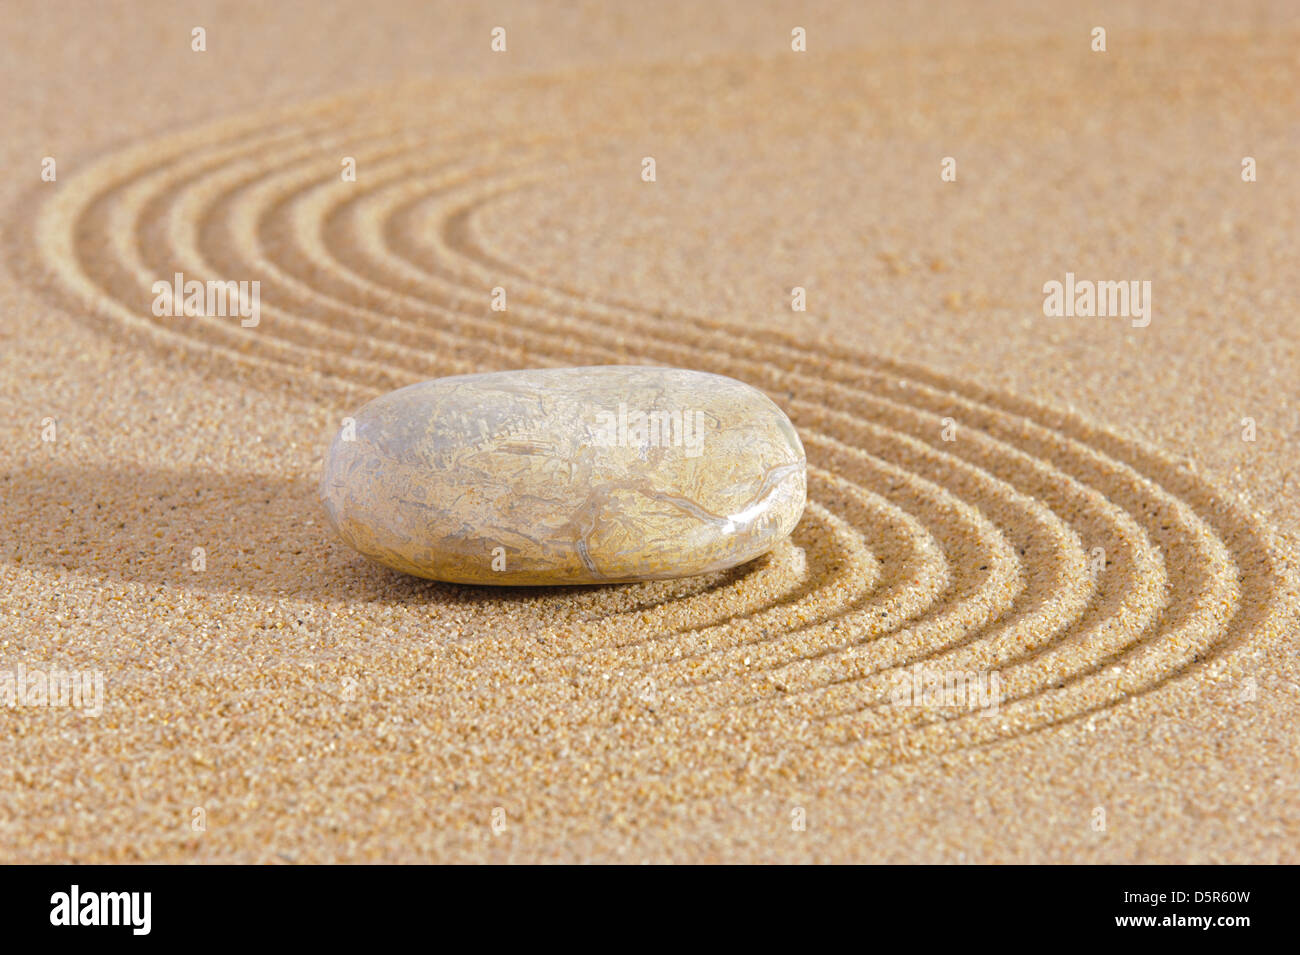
974,555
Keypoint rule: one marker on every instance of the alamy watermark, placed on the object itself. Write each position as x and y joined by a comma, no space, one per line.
1085,298
130,909
212,299
72,689
638,428
948,689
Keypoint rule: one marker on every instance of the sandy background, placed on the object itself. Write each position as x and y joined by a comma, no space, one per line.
319,708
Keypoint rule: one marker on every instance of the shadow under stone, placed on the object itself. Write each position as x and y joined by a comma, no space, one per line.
260,536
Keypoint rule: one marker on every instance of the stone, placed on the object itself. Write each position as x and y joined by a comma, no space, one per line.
604,474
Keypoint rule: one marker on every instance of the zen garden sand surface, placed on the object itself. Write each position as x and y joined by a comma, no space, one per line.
1040,605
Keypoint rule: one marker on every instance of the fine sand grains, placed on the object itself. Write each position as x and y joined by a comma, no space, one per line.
317,708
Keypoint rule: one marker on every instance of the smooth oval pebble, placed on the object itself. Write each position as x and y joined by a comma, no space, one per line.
566,476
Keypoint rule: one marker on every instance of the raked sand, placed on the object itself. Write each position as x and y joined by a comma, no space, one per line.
1069,503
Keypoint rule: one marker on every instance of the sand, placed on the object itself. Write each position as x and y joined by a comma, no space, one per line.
1069,503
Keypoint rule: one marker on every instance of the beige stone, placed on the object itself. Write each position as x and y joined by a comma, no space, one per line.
566,476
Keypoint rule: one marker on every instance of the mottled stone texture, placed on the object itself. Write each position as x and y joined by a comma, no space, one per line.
566,476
